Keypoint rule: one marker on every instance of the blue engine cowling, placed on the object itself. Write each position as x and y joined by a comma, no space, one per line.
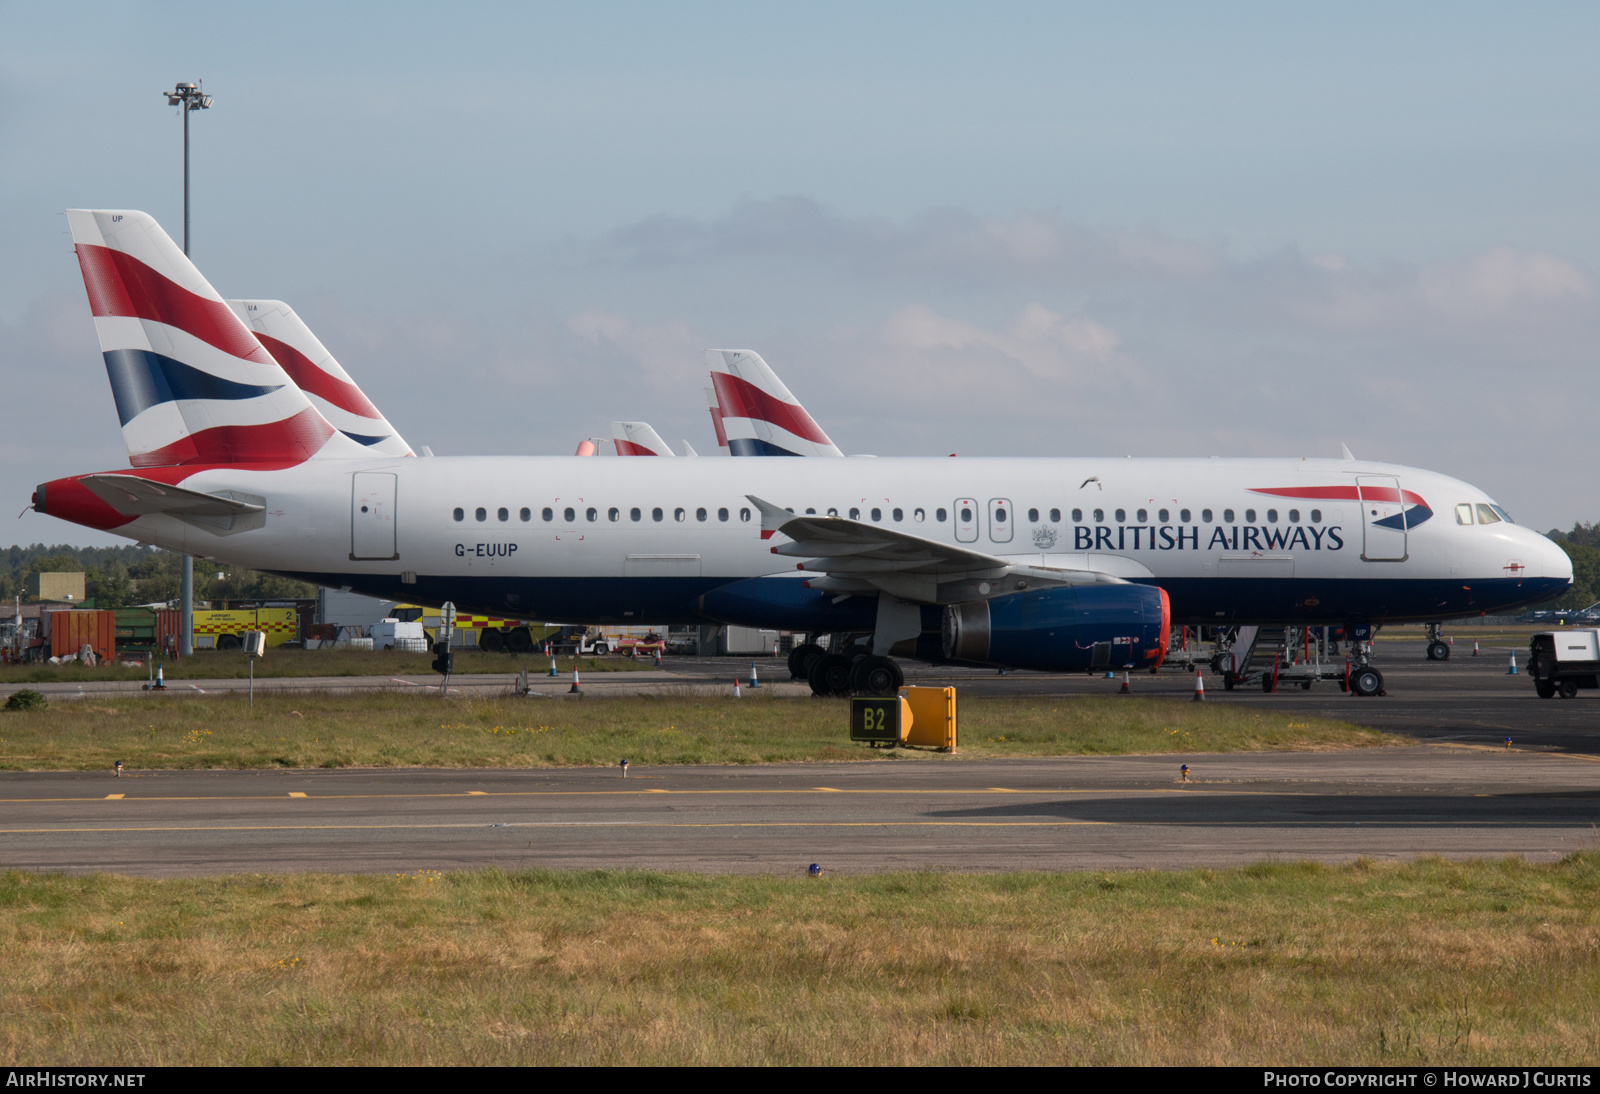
1063,630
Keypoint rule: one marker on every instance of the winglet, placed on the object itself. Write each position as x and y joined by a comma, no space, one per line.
773,517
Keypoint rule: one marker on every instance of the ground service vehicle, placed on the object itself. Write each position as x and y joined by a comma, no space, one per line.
1561,662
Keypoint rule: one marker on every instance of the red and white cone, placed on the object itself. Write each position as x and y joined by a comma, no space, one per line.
575,689
736,694
1199,686
1474,649
1124,689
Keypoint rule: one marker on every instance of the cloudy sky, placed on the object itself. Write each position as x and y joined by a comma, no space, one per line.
1148,229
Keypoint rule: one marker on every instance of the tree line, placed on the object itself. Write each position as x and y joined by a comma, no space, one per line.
116,577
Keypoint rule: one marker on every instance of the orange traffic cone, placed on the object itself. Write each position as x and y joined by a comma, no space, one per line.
1474,649
575,689
736,694
1124,689
1199,686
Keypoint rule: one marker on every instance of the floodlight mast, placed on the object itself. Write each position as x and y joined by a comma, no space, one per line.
186,97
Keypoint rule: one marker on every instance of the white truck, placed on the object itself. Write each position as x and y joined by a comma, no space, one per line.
1561,662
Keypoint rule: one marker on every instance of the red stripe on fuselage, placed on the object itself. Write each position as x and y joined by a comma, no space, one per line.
119,284
304,372
742,399
1342,493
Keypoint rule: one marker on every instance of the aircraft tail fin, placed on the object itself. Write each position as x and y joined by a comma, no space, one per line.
315,371
758,413
638,439
191,382
716,420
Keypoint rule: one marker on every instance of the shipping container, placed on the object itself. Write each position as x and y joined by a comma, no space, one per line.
70,631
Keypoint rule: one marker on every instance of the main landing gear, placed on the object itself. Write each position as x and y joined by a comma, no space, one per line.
854,671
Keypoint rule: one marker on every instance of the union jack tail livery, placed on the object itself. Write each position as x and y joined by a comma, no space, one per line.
758,415
638,439
191,382
315,371
716,420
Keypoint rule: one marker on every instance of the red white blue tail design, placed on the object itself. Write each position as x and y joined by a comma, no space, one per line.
638,439
759,416
191,382
315,371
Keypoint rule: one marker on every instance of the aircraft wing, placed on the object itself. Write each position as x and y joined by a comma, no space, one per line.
132,496
850,556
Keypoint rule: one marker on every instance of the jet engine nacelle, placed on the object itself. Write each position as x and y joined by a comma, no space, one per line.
1063,630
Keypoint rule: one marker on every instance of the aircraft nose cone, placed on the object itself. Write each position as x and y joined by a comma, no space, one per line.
1554,562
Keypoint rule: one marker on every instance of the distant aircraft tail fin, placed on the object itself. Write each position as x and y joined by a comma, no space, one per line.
315,371
192,384
716,419
759,415
638,439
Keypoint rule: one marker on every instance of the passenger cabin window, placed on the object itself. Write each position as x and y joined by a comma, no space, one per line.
570,514
1122,516
855,514
939,515
1033,516
700,514
811,512
1272,516
481,513
966,515
1316,516
1227,516
1163,516
722,514
613,514
1294,516
526,514
592,514
634,514
1205,515
1463,513
548,514
1486,514
460,515
1249,516
1144,515
1099,516
1000,514
918,515
832,512
877,514
657,514
1077,514
678,514
1183,515
744,514
1055,516
504,514
898,515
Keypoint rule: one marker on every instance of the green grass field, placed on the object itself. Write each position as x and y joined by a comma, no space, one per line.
405,729
1427,963
233,665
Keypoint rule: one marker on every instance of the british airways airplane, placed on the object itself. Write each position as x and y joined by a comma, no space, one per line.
1053,564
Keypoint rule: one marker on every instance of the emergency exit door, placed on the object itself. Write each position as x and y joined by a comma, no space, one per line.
372,533
1383,518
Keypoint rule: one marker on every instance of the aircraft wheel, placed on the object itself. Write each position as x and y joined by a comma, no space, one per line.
801,658
1305,685
491,640
1567,689
876,676
1366,682
518,640
830,675
1438,651
1544,689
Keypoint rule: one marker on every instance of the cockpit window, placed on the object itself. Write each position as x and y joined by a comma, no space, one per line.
1487,515
1505,516
1464,513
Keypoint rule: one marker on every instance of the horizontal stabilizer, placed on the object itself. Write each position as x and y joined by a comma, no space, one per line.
132,496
